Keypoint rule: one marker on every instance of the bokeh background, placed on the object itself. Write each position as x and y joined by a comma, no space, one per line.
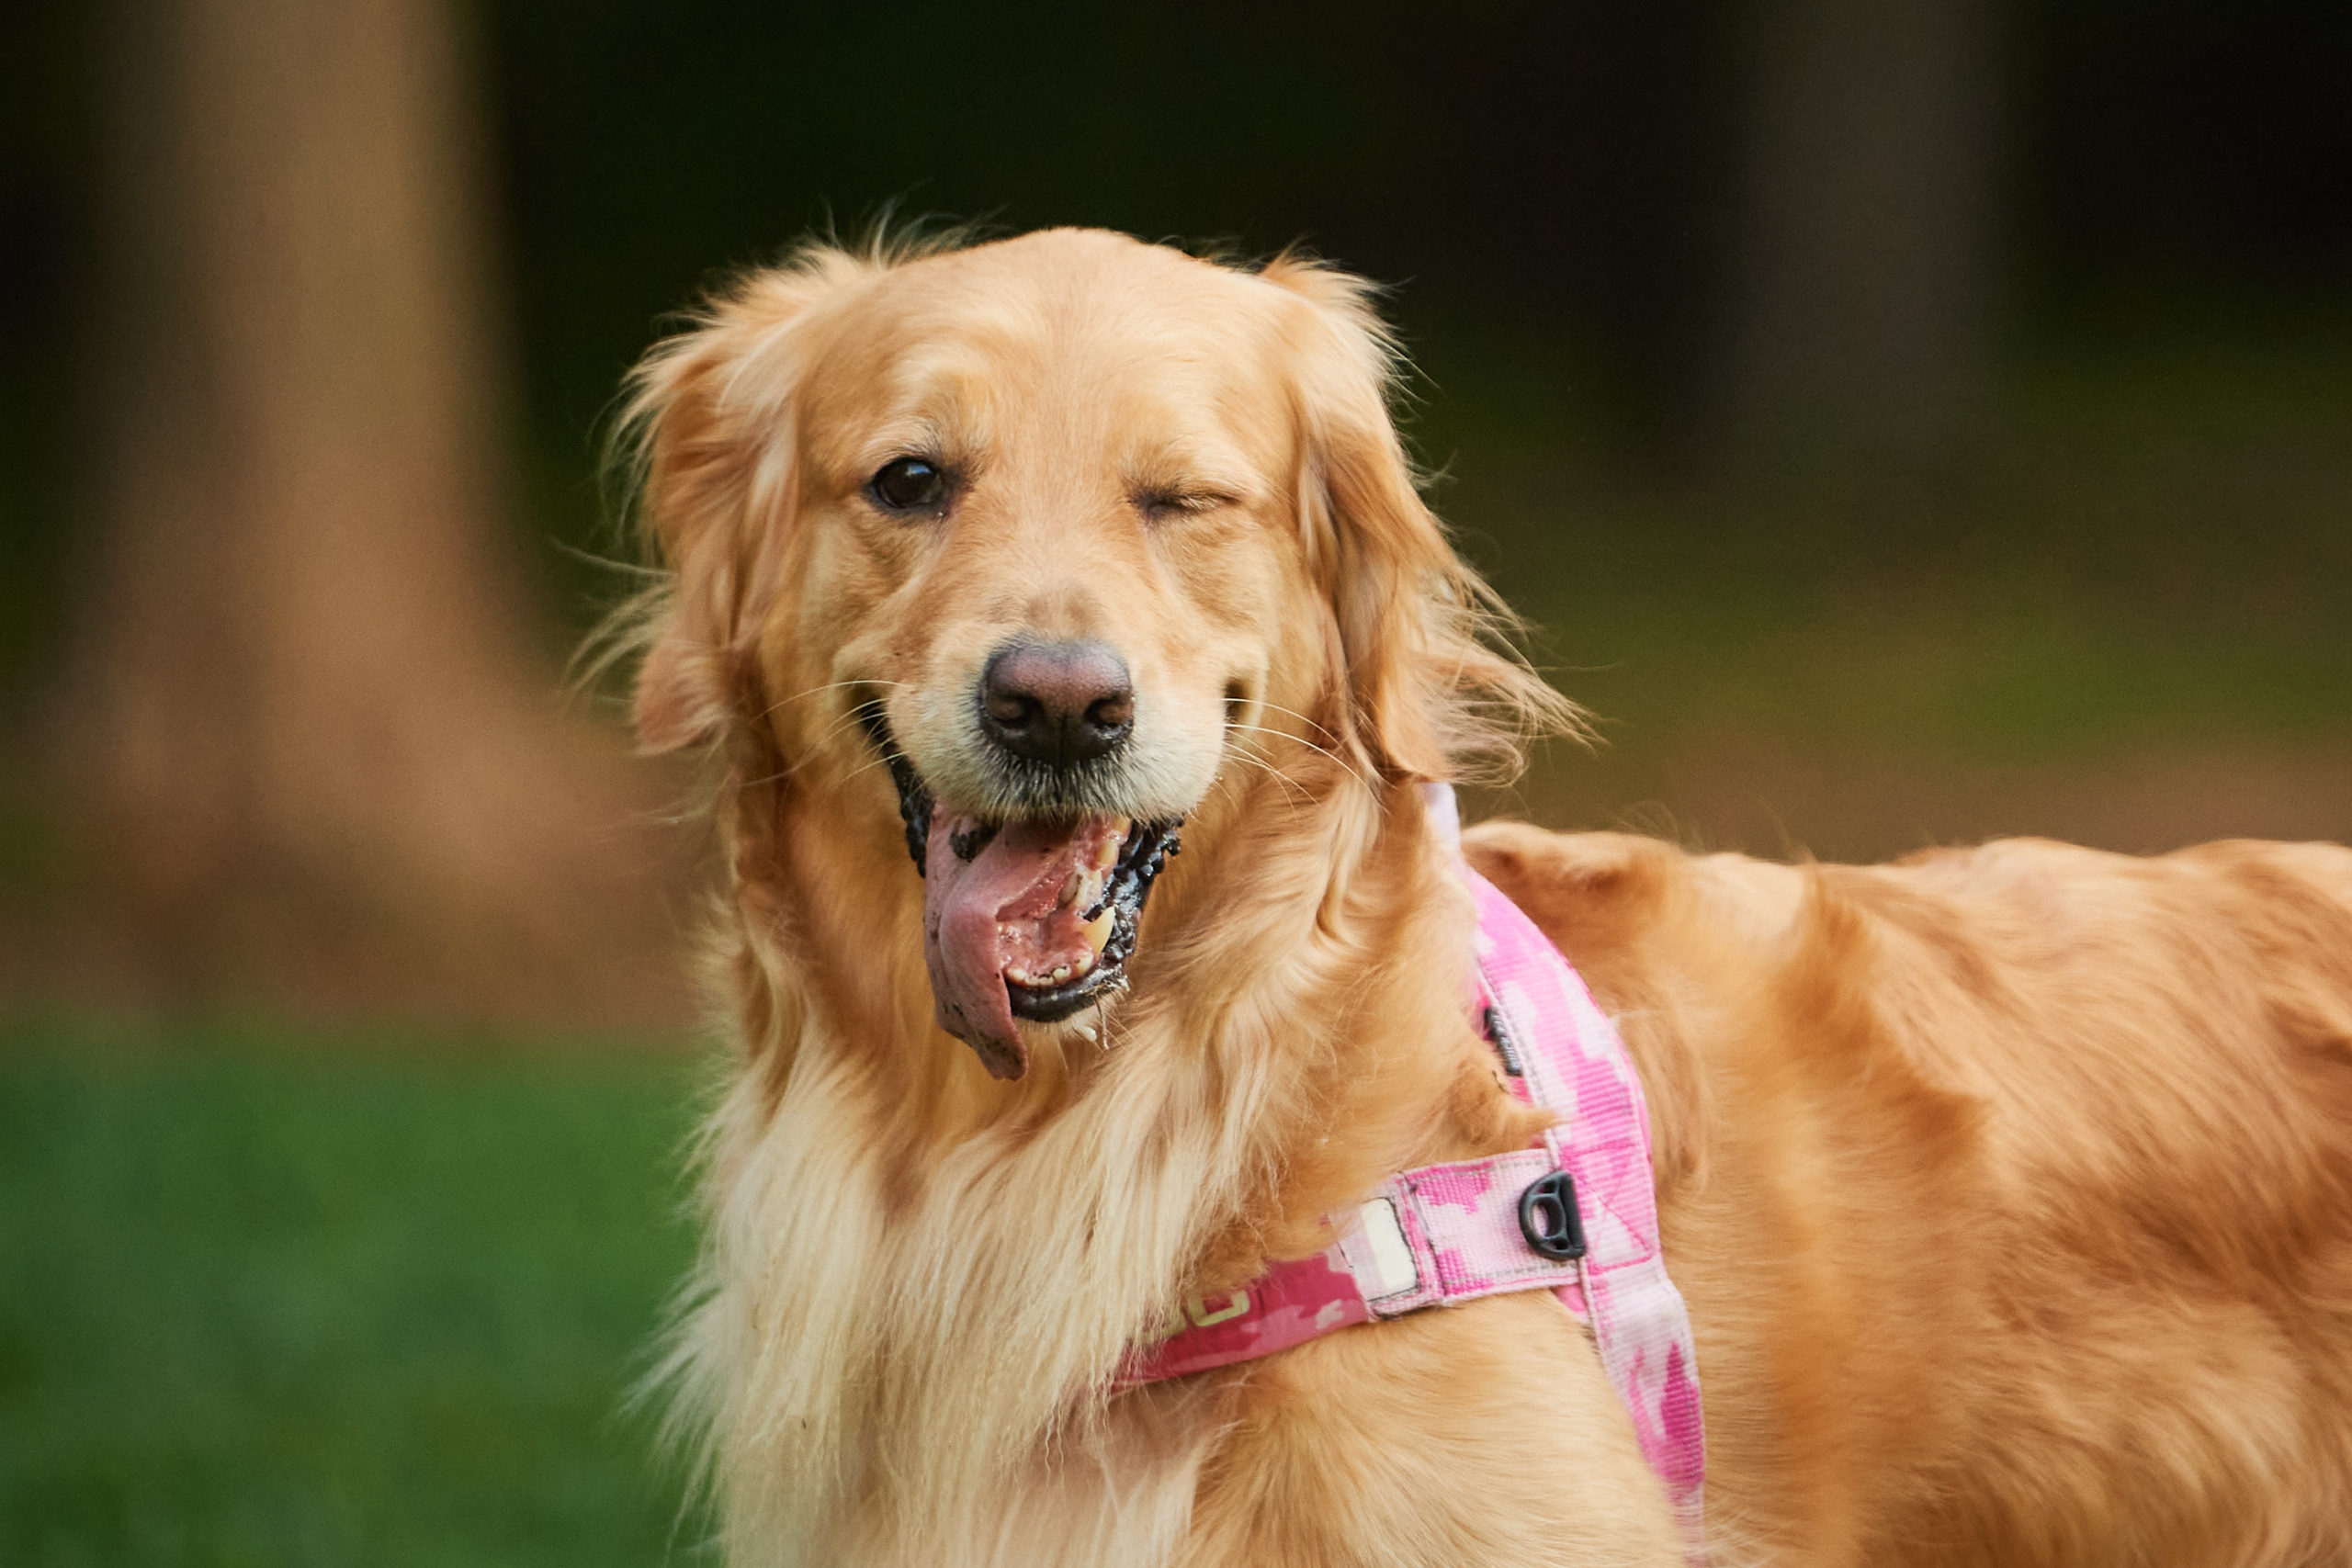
1906,422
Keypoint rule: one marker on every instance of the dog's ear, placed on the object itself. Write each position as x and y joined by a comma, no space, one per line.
1424,692
709,420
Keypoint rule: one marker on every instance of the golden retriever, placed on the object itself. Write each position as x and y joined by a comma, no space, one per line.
2010,1188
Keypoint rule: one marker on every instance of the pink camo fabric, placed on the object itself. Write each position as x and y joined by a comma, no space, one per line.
1577,1064
1447,1233
1290,1304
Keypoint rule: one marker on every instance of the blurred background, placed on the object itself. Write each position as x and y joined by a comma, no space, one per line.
1905,421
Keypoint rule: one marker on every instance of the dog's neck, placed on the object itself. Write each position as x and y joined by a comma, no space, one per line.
897,1234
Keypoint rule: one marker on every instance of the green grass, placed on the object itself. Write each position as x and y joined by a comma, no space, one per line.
273,1300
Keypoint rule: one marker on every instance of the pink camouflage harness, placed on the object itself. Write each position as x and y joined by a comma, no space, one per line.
1575,1214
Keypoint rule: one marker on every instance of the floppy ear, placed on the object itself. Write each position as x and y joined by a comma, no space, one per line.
1424,693
710,420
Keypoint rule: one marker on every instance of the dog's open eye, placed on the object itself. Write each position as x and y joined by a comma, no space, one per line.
909,484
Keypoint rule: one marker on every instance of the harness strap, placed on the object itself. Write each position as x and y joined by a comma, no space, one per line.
1578,1064
1576,1215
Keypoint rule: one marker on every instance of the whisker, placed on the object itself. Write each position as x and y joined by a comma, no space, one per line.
791,770
829,687
1312,724
776,777
865,768
785,772
1242,754
814,756
1341,762
844,721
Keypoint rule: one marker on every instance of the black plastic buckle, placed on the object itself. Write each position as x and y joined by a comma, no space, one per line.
1548,1217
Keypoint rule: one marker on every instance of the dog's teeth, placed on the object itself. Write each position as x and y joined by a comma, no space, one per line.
1084,965
1097,930
1018,975
1061,973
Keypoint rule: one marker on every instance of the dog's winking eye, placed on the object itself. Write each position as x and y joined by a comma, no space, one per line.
909,484
1166,503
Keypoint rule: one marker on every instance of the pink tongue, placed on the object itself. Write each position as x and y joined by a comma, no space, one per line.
1018,875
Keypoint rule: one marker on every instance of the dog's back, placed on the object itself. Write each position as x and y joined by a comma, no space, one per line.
2011,1188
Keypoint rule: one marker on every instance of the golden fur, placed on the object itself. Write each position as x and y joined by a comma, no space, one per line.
2011,1189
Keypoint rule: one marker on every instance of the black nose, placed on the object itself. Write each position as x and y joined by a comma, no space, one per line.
1057,703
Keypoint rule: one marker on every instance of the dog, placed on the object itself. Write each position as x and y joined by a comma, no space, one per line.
1072,646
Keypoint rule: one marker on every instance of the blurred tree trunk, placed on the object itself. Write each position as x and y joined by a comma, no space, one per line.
1862,269
316,751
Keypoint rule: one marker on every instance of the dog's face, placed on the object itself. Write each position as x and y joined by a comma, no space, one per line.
1058,529
1053,559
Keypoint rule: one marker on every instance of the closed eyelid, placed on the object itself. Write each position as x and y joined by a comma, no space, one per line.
1191,497
1189,483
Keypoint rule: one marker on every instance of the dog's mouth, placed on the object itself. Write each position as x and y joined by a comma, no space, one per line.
1035,917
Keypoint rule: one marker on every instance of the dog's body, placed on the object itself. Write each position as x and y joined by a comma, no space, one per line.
2006,1188
2010,1191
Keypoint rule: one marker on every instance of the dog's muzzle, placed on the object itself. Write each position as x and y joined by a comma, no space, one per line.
1035,917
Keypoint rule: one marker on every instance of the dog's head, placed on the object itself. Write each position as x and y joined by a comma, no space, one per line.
1042,537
